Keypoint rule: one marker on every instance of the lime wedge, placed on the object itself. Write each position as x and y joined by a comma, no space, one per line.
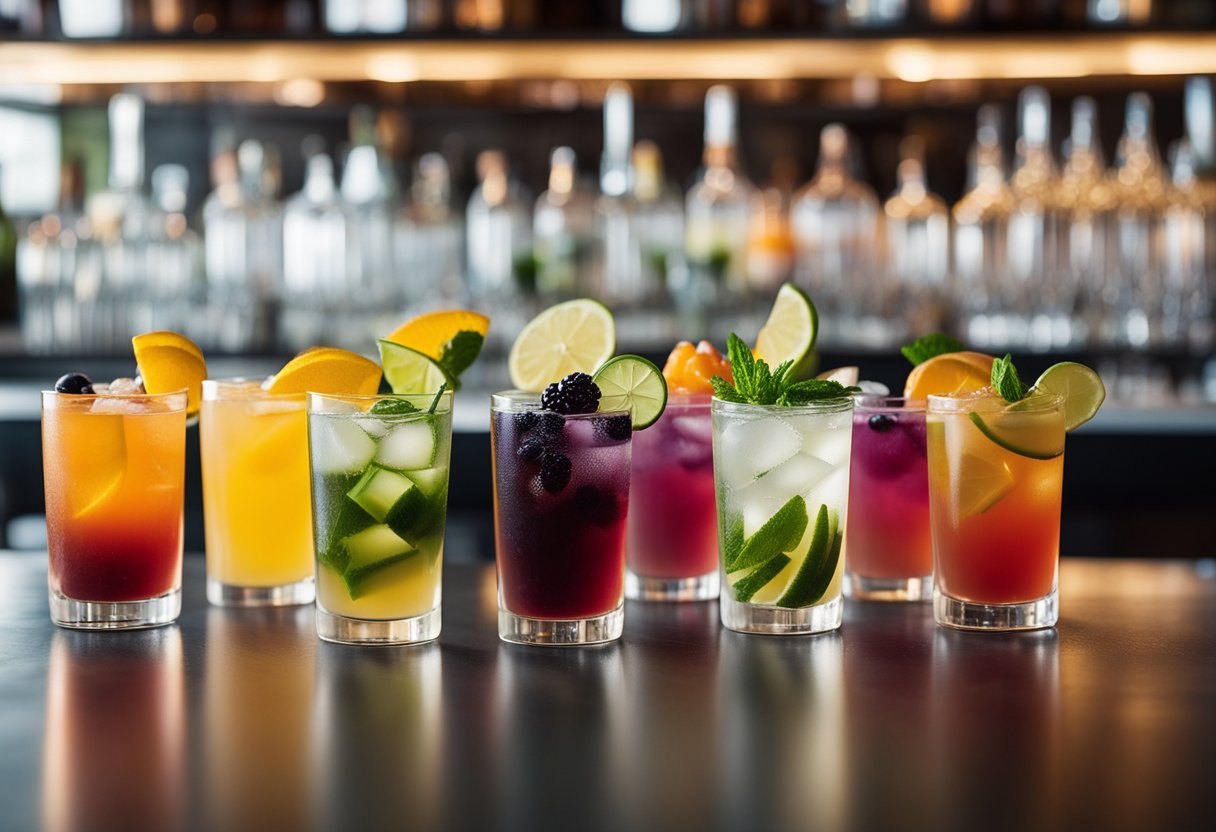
409,371
982,482
1081,388
790,331
630,382
572,337
1024,434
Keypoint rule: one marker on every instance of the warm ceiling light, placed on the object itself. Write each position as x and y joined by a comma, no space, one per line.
300,92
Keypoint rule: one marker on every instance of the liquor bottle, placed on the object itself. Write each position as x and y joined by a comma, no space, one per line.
618,273
174,257
717,207
835,221
243,251
1187,300
1033,299
428,238
1087,201
981,235
316,294
867,13
771,251
93,18
918,245
562,225
657,225
1200,112
375,292
498,235
1142,192
652,16
8,261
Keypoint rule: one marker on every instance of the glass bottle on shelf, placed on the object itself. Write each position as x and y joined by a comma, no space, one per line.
428,238
918,246
8,261
717,211
981,234
771,249
498,238
652,16
562,225
1186,293
1033,304
864,13
1086,200
243,250
619,276
1142,197
173,254
375,292
657,221
316,295
93,18
1200,114
835,222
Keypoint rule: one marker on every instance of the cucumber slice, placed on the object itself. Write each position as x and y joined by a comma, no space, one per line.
369,551
340,446
430,480
409,447
379,490
415,515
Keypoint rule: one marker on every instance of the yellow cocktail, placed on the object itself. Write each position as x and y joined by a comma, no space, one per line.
256,495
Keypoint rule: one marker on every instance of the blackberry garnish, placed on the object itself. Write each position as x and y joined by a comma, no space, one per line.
576,393
882,422
74,383
554,471
527,420
615,428
531,449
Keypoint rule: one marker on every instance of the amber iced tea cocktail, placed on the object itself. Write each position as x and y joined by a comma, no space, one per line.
114,466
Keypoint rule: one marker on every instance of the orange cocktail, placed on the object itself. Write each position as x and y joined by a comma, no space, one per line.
114,466
258,507
995,479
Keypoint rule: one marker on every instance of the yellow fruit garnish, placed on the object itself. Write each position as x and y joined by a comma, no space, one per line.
169,362
430,333
952,374
328,370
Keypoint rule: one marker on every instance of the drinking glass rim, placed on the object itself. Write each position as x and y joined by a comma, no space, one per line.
413,398
1038,403
888,403
521,401
105,394
213,386
837,404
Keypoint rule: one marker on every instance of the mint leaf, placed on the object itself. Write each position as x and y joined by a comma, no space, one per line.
757,383
390,407
742,365
930,346
813,390
461,352
1005,380
725,391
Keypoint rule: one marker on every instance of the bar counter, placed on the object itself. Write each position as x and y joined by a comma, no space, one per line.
242,719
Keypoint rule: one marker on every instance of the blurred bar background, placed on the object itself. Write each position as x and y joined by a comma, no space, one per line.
1036,177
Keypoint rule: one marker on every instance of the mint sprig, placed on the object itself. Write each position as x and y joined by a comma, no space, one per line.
1005,380
460,353
757,383
930,346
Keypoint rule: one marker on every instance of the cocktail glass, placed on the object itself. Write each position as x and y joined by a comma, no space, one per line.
256,499
782,476
672,552
561,491
995,513
890,555
114,466
379,500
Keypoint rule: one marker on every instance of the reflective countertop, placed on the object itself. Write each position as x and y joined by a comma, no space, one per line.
242,719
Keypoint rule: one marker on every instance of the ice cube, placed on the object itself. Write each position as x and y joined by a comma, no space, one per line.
124,387
797,475
827,437
375,427
693,428
106,406
754,447
832,491
874,388
339,446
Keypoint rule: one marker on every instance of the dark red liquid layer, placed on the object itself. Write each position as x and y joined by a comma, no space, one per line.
561,554
118,560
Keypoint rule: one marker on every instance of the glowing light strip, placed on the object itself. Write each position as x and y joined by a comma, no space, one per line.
908,59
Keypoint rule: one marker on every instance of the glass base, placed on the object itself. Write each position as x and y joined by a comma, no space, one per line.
969,615
518,629
342,630
888,589
115,615
230,595
700,588
778,621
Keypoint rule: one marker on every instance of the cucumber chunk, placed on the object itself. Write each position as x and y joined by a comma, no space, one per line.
410,446
378,490
430,480
369,551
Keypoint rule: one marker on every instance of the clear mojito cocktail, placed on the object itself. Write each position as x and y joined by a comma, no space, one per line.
114,461
258,507
379,500
561,492
782,477
890,554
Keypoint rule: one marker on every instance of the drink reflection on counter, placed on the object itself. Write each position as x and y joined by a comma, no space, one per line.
115,737
783,761
379,723
257,702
